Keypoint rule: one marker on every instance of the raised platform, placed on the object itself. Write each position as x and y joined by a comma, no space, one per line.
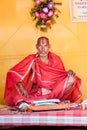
45,118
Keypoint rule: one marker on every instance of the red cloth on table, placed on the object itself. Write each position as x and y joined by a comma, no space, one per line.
51,76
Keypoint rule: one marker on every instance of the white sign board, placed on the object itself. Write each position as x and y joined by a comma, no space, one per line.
78,10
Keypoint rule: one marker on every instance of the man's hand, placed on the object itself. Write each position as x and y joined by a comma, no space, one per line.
71,80
71,77
22,90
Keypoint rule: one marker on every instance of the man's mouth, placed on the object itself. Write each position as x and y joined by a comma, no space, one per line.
43,53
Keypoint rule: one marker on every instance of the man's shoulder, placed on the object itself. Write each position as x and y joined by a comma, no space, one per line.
27,60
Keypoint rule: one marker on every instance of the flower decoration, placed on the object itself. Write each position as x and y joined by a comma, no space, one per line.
45,12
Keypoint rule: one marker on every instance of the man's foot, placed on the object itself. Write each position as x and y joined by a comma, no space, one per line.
23,106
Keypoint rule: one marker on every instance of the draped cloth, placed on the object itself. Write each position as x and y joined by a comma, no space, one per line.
52,77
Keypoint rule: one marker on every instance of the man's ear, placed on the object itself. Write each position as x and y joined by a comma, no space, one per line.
49,46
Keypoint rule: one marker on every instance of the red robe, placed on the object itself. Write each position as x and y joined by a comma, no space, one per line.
51,76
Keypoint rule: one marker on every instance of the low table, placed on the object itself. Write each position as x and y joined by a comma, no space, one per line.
44,118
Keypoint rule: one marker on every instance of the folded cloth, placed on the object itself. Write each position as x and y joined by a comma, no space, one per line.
59,106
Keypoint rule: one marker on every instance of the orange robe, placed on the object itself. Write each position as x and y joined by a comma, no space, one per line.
51,76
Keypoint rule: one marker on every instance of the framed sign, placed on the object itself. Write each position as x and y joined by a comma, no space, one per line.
78,10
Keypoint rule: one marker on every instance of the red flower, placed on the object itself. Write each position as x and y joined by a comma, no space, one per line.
43,15
49,22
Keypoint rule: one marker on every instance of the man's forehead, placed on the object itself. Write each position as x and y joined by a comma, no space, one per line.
43,41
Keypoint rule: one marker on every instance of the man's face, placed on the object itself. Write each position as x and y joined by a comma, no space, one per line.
43,47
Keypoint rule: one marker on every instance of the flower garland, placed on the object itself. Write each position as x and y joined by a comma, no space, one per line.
44,12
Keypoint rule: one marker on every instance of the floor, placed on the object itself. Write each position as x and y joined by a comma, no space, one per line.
44,127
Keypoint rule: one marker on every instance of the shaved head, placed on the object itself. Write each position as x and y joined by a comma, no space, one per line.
42,40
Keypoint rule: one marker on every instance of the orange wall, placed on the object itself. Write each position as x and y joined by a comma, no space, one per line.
18,37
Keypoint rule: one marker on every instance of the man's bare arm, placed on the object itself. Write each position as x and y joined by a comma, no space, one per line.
22,90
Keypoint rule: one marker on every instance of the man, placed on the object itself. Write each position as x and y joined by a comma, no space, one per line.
41,76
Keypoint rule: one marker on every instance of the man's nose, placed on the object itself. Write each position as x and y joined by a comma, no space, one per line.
42,48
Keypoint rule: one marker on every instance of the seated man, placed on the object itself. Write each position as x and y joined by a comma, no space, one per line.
41,76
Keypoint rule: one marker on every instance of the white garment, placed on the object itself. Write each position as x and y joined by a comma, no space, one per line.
45,91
